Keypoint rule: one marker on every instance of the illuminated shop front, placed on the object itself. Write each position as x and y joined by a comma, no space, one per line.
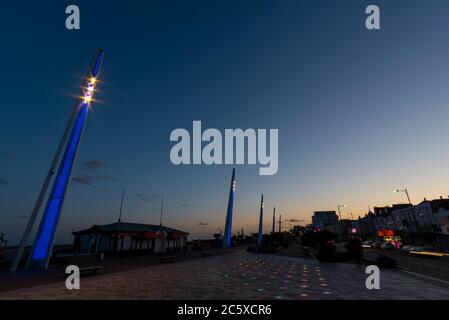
389,235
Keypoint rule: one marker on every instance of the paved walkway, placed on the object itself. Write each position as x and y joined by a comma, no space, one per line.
111,264
240,275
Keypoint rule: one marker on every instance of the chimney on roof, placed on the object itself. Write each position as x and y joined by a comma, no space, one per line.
441,197
425,199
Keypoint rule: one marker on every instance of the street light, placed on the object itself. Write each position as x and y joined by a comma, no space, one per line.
340,206
411,205
406,193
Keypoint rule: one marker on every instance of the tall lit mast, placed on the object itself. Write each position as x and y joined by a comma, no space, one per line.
228,225
43,243
259,235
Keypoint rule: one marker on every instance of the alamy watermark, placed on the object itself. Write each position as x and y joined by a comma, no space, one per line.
72,22
372,21
189,148
373,280
73,280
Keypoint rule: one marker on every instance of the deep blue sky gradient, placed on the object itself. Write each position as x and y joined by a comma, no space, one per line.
359,113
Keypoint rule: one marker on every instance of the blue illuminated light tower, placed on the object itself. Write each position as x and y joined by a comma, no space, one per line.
228,225
68,147
259,235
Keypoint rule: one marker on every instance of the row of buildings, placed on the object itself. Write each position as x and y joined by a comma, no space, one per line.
426,223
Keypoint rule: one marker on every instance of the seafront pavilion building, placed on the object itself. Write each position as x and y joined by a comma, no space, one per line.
123,236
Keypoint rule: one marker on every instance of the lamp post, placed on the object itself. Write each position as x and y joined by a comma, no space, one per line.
406,193
260,234
228,226
411,205
340,206
339,225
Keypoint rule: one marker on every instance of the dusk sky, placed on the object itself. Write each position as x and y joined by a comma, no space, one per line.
360,113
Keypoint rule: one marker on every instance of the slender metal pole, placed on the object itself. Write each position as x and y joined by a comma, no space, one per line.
121,208
228,224
339,212
408,197
260,234
413,211
274,220
119,222
162,208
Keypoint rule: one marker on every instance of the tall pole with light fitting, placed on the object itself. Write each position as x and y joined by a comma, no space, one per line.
415,221
228,225
339,207
260,234
67,148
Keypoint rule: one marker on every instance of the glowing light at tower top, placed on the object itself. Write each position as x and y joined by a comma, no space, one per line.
89,89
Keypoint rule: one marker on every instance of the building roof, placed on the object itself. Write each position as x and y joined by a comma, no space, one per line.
437,204
387,210
127,227
324,213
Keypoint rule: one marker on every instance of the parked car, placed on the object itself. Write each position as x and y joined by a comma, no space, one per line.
367,244
408,248
387,246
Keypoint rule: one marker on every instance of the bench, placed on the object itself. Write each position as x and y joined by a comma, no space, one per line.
205,254
92,269
167,259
